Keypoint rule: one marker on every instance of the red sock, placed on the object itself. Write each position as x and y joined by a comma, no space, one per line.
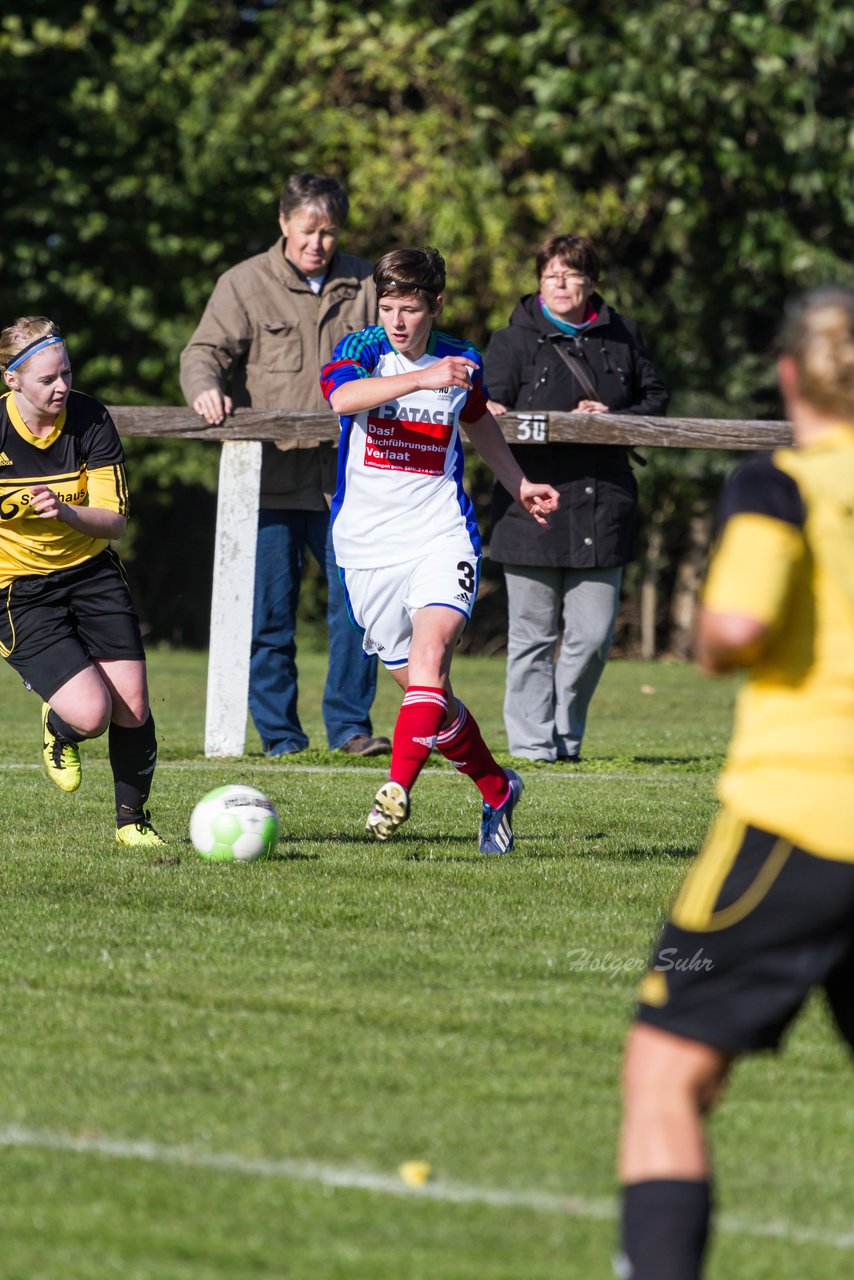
418,724
462,744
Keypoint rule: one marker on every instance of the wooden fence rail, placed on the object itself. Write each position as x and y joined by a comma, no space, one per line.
308,429
239,489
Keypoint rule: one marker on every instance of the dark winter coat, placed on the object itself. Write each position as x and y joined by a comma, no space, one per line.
596,524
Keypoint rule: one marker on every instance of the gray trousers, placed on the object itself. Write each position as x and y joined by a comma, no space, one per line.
546,700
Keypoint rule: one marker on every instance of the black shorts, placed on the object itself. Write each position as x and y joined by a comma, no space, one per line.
52,625
757,925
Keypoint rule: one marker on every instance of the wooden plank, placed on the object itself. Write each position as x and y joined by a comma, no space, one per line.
231,603
303,429
668,433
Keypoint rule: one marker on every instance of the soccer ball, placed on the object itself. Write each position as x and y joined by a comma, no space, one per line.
234,823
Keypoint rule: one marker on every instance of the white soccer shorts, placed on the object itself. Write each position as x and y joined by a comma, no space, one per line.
382,601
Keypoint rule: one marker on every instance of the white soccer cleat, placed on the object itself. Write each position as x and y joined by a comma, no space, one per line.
391,808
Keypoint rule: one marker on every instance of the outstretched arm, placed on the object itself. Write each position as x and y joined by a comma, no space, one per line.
366,393
539,500
222,338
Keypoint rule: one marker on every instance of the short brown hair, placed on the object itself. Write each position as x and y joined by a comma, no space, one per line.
406,271
313,190
576,252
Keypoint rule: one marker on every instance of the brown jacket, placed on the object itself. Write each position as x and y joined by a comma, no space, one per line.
265,332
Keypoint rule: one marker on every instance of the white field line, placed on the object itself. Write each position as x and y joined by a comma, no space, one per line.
304,1171
355,1179
239,766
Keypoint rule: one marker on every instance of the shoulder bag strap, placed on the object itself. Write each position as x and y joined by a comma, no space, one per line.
577,369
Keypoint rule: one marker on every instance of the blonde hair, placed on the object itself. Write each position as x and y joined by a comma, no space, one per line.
21,333
819,336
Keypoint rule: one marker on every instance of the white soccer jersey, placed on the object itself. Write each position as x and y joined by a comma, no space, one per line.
400,465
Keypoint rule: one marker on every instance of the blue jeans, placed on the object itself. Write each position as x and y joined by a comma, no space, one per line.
351,678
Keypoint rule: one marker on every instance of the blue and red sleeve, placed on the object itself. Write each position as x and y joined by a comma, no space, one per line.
337,372
475,405
355,356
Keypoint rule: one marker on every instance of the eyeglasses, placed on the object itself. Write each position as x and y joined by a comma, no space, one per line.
565,277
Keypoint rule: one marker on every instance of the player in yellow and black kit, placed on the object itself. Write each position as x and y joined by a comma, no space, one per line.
766,913
67,623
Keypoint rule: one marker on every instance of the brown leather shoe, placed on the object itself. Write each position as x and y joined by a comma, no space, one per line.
362,745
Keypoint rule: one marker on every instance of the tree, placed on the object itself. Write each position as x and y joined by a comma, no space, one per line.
707,150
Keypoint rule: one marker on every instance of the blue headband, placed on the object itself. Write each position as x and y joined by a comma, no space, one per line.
37,345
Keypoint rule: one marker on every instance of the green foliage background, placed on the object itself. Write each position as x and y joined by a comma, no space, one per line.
706,149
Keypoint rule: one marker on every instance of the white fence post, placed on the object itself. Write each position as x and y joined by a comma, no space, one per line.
231,604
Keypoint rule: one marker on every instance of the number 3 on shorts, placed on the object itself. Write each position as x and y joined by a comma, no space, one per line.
466,578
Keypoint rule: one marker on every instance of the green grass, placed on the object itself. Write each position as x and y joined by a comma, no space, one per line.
356,1006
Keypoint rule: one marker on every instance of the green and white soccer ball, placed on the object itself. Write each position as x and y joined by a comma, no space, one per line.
234,824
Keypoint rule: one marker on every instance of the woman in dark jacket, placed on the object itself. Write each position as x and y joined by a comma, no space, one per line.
565,349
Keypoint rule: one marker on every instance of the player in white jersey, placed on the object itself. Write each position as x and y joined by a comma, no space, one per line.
404,530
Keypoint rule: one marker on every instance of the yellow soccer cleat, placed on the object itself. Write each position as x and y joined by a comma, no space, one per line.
391,808
139,835
61,757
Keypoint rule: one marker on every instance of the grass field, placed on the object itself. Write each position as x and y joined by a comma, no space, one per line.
216,1071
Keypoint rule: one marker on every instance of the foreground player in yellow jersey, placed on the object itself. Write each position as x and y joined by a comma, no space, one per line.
769,902
67,624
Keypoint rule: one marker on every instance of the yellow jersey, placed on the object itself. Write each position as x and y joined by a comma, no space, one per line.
81,459
785,557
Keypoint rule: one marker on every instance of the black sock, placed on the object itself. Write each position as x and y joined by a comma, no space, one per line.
133,755
63,729
665,1226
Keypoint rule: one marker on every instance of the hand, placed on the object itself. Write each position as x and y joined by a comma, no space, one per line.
45,503
539,500
213,406
591,406
496,408
452,371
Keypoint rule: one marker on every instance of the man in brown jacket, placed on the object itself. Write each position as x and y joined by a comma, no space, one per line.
270,325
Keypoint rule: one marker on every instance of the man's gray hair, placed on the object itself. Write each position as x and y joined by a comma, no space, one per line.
314,190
